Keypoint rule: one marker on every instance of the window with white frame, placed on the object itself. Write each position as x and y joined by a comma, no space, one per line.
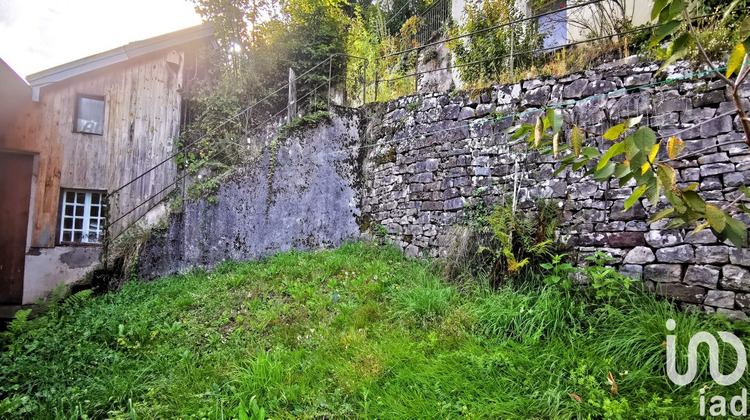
82,217
89,117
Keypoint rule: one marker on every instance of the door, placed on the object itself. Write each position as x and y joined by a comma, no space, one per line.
16,170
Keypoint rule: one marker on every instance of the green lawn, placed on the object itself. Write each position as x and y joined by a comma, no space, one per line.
355,332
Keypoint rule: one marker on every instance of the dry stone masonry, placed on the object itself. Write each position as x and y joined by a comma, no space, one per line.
421,159
435,153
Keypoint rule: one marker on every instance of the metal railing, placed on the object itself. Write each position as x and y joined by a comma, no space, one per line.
434,20
515,30
318,89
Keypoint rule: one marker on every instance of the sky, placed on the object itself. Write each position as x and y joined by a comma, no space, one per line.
38,34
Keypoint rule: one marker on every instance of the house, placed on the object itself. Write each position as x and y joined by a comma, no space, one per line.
76,132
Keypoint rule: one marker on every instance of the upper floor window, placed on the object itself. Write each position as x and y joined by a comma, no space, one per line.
82,218
89,114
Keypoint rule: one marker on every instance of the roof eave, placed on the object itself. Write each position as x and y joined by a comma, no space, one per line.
117,55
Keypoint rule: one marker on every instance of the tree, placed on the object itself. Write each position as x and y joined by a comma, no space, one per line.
633,154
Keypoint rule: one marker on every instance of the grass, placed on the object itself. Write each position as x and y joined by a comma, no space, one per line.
355,332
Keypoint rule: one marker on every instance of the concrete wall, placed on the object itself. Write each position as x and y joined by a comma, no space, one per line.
306,199
47,267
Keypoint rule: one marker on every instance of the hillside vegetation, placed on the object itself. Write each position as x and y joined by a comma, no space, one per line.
355,332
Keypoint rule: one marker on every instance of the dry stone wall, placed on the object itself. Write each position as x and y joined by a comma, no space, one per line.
421,159
432,154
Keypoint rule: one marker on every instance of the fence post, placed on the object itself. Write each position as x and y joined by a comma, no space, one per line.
291,109
511,53
330,73
416,72
377,62
364,84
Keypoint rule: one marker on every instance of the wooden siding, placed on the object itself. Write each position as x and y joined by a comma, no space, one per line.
142,116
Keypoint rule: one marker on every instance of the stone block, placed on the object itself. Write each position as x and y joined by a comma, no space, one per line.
716,169
702,275
740,257
639,255
625,239
632,271
735,278
575,89
732,314
712,254
661,239
681,292
676,254
663,273
720,299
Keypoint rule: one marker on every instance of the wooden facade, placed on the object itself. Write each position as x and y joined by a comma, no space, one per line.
142,99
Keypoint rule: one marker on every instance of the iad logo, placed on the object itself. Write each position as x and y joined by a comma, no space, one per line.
718,407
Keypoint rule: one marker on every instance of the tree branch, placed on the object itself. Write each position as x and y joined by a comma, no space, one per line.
702,51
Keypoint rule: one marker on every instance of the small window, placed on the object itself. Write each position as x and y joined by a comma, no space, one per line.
82,218
90,115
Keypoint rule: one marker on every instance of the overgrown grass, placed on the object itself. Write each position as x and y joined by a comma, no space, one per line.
355,332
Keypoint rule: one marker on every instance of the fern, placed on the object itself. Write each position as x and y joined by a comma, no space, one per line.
76,300
20,323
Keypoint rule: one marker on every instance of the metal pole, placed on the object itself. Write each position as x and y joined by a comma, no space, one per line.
292,101
416,73
511,54
377,66
330,72
364,84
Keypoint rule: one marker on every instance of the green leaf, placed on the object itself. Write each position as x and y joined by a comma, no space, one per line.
621,170
579,163
676,201
745,29
675,223
555,118
663,31
605,172
576,139
637,162
613,151
735,60
661,215
654,190
679,50
674,9
634,197
744,190
735,231
658,7
694,201
590,152
614,132
715,217
625,179
644,139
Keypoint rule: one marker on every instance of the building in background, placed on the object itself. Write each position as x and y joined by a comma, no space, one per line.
76,132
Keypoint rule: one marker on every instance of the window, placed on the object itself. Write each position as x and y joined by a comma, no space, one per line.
90,115
82,217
